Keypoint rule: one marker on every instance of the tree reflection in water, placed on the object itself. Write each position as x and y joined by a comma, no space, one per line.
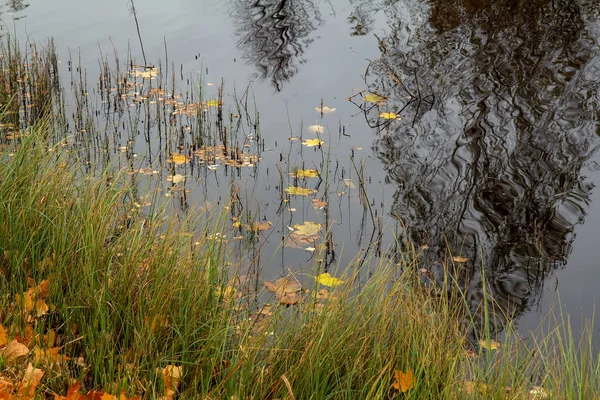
493,169
14,7
274,35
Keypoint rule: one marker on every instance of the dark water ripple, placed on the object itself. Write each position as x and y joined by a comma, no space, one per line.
493,169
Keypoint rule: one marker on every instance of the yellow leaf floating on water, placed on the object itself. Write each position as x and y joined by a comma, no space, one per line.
327,280
316,129
389,115
404,380
307,229
179,159
213,103
297,191
305,173
313,142
375,98
459,259
493,345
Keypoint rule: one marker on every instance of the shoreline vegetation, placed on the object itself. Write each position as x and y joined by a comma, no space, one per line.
99,300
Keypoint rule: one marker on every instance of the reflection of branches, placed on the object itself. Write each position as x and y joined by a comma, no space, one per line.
15,6
491,170
274,35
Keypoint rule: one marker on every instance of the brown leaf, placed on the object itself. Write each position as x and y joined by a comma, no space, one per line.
258,226
289,299
14,350
283,286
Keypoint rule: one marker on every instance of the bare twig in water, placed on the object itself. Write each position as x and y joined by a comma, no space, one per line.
137,27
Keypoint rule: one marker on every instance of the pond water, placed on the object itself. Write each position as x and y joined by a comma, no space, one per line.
493,157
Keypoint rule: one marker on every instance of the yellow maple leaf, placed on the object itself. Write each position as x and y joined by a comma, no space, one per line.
313,142
179,159
213,103
389,115
375,98
492,345
307,229
327,280
305,173
296,191
404,380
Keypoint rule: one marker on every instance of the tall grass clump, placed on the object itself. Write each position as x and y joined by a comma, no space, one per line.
125,294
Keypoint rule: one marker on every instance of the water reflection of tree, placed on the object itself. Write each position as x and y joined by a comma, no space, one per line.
14,6
274,35
493,169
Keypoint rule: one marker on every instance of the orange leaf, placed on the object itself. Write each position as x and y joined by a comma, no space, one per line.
404,380
171,375
3,336
30,381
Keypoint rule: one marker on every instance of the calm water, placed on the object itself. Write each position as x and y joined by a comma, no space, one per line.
495,157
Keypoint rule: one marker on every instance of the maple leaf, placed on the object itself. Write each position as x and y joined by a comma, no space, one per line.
404,380
375,98
258,226
179,159
297,191
171,375
13,351
283,285
307,229
41,308
305,173
389,115
30,381
48,355
313,142
213,103
492,345
327,280
318,204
